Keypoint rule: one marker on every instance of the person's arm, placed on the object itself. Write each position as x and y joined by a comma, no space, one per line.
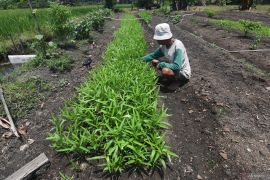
177,61
154,55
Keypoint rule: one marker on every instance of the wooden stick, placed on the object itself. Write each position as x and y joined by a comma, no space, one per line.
12,126
29,168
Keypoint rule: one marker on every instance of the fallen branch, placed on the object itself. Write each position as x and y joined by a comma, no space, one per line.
29,168
12,126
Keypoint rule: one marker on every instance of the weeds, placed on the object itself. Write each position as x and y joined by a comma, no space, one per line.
61,64
176,19
65,177
22,96
115,118
146,15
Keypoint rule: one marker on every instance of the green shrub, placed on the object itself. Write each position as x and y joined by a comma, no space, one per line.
250,26
92,21
36,62
39,45
61,64
60,16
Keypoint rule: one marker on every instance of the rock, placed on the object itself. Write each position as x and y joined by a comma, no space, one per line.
190,111
226,129
30,141
199,177
7,135
84,166
188,169
249,150
268,88
223,154
207,132
24,147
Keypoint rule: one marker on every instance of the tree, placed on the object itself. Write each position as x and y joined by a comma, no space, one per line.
182,4
109,4
145,4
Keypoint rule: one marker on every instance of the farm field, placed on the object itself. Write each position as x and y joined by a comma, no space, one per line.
111,114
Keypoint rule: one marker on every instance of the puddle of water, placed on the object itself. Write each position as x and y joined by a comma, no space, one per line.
6,69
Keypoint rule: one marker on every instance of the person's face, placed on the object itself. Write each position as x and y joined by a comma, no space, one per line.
166,42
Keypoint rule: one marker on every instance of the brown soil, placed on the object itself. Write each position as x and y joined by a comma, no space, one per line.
223,109
230,40
11,158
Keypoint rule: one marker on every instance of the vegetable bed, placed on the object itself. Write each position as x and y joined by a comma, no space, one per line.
115,118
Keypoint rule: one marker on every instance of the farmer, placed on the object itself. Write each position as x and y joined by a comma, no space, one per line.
176,67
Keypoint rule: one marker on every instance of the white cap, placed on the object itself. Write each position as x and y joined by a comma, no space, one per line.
162,32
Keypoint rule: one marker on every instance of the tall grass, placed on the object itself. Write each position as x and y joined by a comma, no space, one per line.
19,21
115,118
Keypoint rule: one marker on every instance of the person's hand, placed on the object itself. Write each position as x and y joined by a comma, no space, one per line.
155,62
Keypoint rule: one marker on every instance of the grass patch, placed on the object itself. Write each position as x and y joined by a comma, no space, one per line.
23,95
265,30
115,117
146,15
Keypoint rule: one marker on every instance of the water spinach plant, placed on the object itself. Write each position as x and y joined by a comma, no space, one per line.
115,119
146,15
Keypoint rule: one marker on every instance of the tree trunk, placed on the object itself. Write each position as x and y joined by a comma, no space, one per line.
246,4
183,5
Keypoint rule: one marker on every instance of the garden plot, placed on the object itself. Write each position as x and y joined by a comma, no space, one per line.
61,88
220,119
232,40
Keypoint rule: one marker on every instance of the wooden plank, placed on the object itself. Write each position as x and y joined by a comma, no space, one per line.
12,126
29,168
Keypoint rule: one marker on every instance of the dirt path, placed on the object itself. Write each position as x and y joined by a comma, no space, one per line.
11,158
224,109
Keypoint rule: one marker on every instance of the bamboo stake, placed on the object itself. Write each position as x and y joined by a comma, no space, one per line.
12,126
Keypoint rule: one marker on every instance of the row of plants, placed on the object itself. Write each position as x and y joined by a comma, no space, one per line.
248,27
115,119
146,15
244,25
